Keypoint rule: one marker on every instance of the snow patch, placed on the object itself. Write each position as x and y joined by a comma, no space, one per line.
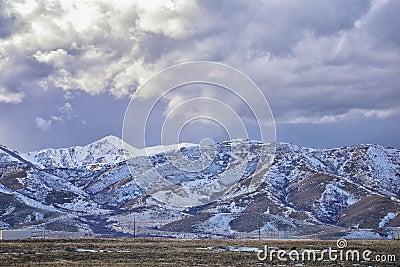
387,218
363,234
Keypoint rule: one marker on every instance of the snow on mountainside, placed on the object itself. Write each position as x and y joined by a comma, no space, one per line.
108,150
89,190
104,151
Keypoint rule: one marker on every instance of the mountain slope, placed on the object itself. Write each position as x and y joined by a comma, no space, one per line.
107,150
310,192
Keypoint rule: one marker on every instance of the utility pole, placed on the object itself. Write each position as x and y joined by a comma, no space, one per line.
134,227
259,227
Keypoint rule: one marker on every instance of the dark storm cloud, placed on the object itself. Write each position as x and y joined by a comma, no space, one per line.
334,77
23,70
383,23
276,26
8,24
317,62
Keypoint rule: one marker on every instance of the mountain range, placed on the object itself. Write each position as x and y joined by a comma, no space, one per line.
351,192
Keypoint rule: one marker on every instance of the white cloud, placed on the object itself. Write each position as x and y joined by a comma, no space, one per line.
57,58
350,115
66,109
168,17
10,97
65,112
57,118
310,69
43,124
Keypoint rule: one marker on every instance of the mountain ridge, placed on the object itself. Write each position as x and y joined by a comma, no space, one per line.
308,191
111,150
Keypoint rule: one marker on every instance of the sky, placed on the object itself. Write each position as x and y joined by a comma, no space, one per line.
328,69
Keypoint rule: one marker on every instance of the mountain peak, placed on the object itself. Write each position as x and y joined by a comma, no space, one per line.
110,139
107,150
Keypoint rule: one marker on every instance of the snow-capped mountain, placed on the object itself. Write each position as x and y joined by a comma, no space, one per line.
310,192
108,150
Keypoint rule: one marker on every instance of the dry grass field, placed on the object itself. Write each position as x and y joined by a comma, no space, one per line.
180,252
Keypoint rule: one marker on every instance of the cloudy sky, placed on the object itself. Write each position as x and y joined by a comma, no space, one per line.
329,69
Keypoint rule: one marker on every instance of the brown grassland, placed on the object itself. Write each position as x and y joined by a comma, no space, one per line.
175,252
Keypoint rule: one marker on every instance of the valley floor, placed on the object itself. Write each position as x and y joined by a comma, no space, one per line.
185,252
